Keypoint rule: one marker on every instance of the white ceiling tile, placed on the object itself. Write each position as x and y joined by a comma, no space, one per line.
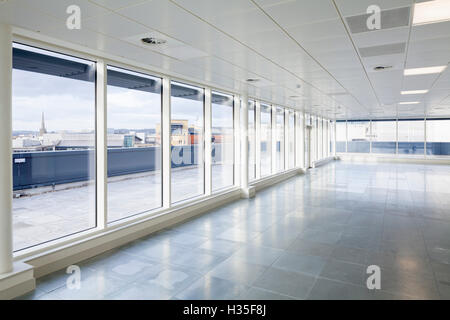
114,25
116,4
297,12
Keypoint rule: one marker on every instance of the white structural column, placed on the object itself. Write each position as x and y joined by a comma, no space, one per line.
208,143
287,134
274,136
258,139
166,143
237,139
425,136
6,247
102,145
396,136
334,137
299,139
247,191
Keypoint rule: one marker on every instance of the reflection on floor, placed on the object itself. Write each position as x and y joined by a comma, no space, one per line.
311,237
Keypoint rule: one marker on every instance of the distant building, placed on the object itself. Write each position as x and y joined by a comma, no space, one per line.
181,133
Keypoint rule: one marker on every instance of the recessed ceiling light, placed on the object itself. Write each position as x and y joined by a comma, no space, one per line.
427,70
410,102
414,92
431,12
151,40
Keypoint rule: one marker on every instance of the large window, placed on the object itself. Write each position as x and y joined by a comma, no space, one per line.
358,136
53,145
307,141
291,136
384,136
280,140
314,134
411,137
134,143
222,129
187,132
325,144
319,138
438,137
251,140
266,137
341,136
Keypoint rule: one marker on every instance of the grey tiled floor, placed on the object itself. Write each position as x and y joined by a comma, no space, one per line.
311,237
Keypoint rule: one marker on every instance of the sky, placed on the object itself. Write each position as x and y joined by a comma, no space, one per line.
69,104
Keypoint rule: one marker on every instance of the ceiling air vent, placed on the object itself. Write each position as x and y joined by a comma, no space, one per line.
381,68
151,40
252,80
393,18
394,48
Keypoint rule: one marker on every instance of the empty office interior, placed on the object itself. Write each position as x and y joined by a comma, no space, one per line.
212,149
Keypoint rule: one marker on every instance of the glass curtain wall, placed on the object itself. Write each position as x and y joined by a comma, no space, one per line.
384,136
222,129
266,138
187,145
341,136
134,143
280,140
438,137
411,137
326,138
358,135
53,129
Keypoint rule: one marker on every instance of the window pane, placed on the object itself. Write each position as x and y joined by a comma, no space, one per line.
53,145
384,136
411,137
251,141
319,138
314,146
307,140
266,137
280,140
325,139
358,136
291,140
134,143
438,137
187,128
222,128
341,136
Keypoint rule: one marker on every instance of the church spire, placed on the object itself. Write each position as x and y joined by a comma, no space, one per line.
42,131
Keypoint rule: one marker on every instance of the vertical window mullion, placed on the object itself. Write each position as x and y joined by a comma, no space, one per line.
166,143
208,144
258,139
101,145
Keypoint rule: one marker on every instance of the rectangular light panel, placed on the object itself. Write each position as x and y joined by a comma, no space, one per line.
431,12
414,92
427,70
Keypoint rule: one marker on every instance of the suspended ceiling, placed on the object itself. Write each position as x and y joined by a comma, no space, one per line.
312,55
